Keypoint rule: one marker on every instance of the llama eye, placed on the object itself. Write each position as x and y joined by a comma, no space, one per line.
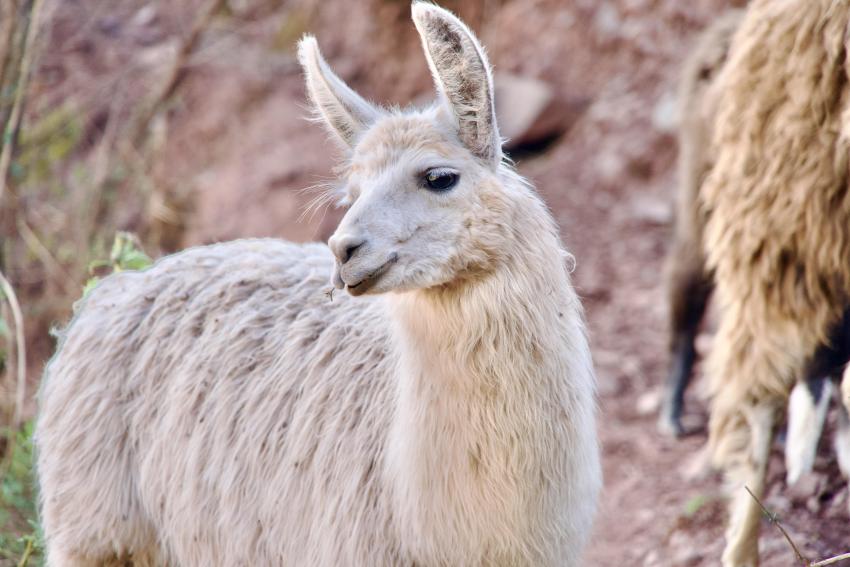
440,179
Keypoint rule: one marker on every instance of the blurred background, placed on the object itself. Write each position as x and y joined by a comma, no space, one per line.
183,123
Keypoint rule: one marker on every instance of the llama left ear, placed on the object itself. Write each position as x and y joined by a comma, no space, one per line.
463,78
345,112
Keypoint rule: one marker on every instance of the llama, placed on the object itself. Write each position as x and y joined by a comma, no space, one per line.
222,408
777,237
689,282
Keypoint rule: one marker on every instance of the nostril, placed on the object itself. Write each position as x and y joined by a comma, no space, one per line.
350,250
346,248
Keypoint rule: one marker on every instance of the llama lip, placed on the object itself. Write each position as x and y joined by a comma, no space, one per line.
370,280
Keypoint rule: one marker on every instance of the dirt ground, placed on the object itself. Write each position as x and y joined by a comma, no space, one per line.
238,149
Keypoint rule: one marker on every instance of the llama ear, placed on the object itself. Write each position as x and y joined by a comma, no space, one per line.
343,110
462,76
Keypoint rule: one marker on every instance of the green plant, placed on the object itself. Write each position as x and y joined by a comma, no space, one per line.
694,505
126,255
20,534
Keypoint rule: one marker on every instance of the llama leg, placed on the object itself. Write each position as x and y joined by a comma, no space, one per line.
841,444
748,470
60,557
841,441
807,409
89,518
690,289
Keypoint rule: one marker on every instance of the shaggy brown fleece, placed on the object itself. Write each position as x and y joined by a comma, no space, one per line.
778,234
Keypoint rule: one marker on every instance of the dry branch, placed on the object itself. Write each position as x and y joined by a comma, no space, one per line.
774,519
51,264
831,560
176,72
7,25
21,353
10,132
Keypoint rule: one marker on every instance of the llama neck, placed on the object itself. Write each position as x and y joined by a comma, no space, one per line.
494,388
496,330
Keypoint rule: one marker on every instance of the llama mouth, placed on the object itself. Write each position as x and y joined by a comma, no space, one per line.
370,280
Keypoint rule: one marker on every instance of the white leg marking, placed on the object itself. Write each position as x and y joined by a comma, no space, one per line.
805,424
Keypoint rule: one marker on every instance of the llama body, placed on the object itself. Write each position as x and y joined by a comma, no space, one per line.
777,236
270,425
690,282
222,408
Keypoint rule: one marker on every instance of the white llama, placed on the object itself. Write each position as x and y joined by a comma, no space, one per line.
221,409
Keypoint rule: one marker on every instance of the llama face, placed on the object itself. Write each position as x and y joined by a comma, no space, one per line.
426,206
424,210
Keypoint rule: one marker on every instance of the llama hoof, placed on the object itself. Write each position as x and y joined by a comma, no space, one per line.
670,427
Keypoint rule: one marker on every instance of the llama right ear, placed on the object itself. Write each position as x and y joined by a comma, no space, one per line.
463,78
345,112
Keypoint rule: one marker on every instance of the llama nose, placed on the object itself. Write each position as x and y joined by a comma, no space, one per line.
344,247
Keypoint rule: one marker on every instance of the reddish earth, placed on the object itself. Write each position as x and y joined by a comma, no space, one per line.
238,150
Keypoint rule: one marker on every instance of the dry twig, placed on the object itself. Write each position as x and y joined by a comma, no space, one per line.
21,353
774,519
831,560
176,72
7,25
10,132
54,268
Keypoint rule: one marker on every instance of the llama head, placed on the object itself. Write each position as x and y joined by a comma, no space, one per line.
426,203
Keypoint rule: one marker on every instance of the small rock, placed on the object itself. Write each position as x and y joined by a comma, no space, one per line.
652,210
607,20
145,16
529,112
652,559
610,166
649,402
630,366
520,102
665,115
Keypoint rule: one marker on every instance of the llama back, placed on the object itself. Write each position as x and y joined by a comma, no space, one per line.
234,353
